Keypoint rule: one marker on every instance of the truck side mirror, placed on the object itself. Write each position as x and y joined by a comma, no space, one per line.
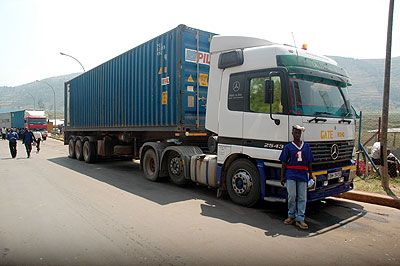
269,91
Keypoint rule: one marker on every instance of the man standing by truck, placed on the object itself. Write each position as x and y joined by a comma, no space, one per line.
296,158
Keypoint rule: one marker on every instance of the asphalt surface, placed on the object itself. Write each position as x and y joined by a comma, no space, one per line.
59,211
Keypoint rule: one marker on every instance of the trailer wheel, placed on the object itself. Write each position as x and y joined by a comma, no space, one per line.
89,152
71,149
175,169
243,183
78,150
150,165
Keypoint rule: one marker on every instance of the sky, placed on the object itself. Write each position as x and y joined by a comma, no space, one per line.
34,32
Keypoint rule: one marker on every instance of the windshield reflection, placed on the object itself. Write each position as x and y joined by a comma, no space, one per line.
317,99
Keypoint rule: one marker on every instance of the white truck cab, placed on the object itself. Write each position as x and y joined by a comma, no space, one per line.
257,91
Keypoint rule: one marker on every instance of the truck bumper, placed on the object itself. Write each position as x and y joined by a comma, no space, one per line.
330,182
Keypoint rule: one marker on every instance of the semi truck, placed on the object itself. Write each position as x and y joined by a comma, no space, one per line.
194,106
33,120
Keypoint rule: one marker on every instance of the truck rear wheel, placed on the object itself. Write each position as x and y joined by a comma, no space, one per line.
89,152
71,149
78,150
243,183
150,165
175,169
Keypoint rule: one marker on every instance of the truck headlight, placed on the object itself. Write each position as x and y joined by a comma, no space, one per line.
352,175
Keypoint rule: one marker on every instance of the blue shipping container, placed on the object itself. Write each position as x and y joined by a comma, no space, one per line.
18,119
151,87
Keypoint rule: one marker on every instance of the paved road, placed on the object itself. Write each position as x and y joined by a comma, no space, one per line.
58,211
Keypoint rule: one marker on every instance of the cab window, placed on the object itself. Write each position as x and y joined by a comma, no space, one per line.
257,95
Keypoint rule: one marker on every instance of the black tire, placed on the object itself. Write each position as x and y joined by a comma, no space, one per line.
78,150
176,169
71,149
243,183
150,165
89,152
44,138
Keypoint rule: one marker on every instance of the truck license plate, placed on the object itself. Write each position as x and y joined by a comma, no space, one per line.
335,175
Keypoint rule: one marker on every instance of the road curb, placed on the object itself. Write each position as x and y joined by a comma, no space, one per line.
55,138
373,198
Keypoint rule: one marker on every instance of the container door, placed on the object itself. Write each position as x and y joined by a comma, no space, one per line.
195,69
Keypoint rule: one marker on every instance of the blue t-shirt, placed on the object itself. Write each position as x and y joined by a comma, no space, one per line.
12,136
297,159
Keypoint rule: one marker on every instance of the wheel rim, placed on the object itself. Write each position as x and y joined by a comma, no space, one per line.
242,182
175,165
150,166
71,148
85,151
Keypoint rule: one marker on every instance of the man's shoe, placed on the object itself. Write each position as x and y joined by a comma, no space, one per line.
302,225
289,220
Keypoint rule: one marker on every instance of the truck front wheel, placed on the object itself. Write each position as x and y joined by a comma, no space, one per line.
78,150
150,165
71,149
243,183
175,169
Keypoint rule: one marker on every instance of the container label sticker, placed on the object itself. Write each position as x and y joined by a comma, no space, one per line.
203,80
160,71
164,97
164,81
190,78
190,101
190,88
191,56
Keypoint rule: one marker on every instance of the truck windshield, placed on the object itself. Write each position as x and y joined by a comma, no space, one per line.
37,121
318,99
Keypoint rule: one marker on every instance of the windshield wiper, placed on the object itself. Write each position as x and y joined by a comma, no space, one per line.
344,121
323,113
317,119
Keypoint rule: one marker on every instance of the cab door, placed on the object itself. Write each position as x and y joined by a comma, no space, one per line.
264,137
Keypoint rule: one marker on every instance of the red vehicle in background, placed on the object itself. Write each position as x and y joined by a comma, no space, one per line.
36,121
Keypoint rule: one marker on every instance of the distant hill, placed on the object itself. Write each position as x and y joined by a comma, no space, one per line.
365,93
367,76
22,97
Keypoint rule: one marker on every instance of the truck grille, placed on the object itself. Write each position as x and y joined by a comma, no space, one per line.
322,152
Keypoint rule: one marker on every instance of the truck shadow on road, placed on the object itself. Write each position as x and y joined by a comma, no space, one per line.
321,216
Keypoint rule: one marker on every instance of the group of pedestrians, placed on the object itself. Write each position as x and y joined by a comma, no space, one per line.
27,137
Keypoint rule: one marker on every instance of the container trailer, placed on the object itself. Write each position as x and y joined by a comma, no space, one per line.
216,110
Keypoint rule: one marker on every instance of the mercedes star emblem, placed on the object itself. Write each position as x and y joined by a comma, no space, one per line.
236,86
334,151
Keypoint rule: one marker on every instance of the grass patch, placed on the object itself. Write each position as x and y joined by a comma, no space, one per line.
372,183
56,136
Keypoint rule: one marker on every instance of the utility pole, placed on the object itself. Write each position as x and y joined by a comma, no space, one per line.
385,105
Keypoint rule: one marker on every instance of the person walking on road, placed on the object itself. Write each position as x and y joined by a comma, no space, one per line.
12,137
296,158
38,137
28,138
3,133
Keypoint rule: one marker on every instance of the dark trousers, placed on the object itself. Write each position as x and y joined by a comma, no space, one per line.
28,147
13,149
38,145
3,136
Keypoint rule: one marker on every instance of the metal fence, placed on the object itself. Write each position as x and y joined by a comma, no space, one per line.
370,132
